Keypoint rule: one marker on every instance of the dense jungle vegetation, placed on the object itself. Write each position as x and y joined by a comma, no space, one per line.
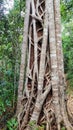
11,36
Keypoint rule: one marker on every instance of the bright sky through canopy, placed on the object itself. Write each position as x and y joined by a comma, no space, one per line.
8,4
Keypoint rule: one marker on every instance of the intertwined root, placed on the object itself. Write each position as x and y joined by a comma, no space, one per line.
43,99
70,107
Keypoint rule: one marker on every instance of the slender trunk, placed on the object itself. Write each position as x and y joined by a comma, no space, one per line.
35,39
60,62
54,67
23,55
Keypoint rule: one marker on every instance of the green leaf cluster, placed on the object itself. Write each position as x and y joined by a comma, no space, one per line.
12,124
67,38
11,35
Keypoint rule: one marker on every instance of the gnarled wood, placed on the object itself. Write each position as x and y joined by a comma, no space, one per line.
43,97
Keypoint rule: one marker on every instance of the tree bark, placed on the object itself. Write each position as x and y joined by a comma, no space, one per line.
43,100
54,67
60,62
23,55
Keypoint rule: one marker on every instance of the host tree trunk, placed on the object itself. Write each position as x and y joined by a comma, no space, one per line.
41,91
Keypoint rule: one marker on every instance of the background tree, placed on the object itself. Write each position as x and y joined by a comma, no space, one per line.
67,30
10,47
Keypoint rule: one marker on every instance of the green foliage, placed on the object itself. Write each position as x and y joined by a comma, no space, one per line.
67,20
33,126
11,30
12,124
67,38
66,10
31,123
2,107
41,127
63,128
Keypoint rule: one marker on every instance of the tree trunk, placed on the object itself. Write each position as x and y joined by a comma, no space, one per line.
43,97
54,65
23,55
60,62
